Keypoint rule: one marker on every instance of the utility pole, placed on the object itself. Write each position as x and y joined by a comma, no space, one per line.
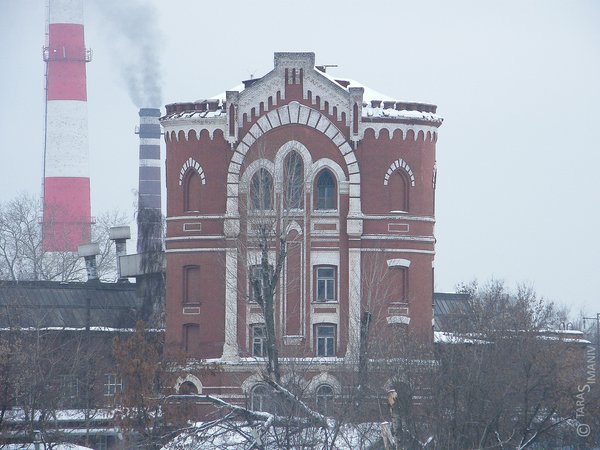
597,319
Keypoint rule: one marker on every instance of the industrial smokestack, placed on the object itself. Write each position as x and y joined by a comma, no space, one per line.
67,211
120,236
89,252
149,218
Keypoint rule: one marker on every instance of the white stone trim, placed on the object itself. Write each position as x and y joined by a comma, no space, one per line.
397,165
404,127
230,347
398,319
285,150
192,164
354,296
252,381
194,250
199,238
343,186
196,124
400,216
254,167
324,378
398,262
385,237
399,250
191,217
191,379
323,125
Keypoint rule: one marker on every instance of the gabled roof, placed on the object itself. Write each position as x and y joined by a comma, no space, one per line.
52,304
374,106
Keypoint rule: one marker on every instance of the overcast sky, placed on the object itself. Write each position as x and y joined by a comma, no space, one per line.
518,85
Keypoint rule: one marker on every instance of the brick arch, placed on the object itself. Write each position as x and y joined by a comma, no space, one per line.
191,164
292,113
396,165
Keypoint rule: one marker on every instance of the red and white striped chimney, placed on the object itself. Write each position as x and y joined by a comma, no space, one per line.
67,211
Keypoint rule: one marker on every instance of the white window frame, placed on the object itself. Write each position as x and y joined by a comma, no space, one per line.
322,342
262,340
326,281
113,384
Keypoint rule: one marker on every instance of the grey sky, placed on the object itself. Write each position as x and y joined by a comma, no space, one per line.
518,84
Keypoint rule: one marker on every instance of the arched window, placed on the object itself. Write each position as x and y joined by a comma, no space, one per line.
326,192
191,191
398,188
259,398
261,190
324,398
188,388
293,177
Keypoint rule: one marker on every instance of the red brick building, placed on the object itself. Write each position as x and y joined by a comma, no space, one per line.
363,212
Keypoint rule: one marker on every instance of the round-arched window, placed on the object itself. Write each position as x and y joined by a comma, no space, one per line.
324,398
261,191
293,177
188,388
326,192
259,398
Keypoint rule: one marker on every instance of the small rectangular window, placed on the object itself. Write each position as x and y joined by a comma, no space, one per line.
113,384
325,284
325,340
259,340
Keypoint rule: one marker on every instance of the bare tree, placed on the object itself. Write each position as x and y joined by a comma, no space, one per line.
45,371
505,380
22,256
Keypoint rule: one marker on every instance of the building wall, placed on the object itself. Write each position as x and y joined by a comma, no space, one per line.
379,240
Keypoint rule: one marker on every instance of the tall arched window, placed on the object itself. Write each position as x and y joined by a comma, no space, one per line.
293,177
261,190
191,191
326,192
398,188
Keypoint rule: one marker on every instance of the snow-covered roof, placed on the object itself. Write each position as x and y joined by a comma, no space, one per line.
375,104
63,415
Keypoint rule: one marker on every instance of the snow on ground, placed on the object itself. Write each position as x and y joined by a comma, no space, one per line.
236,436
54,447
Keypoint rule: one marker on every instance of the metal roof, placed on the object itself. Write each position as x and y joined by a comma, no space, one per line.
450,310
43,304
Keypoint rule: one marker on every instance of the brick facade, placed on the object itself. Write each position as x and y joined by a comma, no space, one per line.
370,218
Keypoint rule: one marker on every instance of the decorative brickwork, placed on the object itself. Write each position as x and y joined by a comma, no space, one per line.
338,232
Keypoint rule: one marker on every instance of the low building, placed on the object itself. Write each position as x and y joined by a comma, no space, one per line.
57,372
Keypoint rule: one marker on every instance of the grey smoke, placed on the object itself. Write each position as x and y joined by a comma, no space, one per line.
132,27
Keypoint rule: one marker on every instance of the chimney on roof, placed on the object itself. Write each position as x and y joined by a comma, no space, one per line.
120,236
89,252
